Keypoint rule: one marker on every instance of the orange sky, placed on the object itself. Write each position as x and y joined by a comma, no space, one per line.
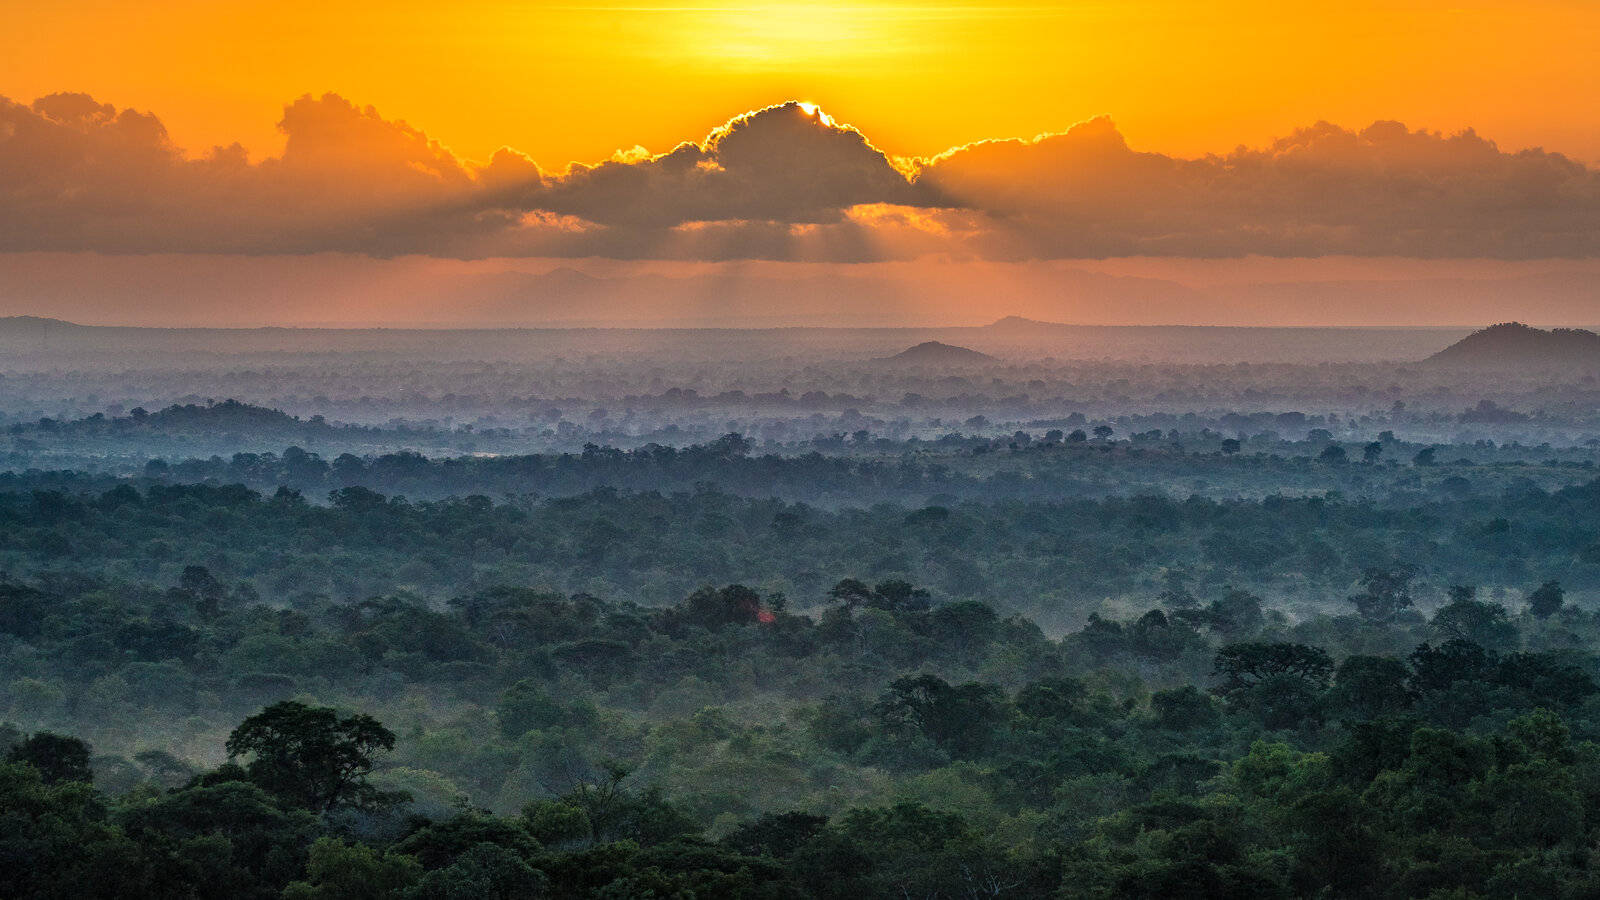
1179,137
576,81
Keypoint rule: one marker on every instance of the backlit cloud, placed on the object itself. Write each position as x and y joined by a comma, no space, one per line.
783,183
1324,190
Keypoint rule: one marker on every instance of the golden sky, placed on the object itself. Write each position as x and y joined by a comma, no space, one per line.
159,158
577,81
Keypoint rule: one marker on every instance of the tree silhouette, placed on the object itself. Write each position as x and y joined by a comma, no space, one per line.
310,756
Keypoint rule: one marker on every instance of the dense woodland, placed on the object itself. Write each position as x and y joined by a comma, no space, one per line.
1273,697
1054,560
729,642
518,743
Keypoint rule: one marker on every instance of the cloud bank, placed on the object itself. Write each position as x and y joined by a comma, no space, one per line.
781,183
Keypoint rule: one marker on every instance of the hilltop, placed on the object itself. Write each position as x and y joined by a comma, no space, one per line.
35,324
1516,344
934,352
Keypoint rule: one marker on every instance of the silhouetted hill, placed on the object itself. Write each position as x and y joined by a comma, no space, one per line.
934,352
1516,344
189,418
227,414
25,325
1021,323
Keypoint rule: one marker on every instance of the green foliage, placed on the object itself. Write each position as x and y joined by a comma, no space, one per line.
779,739
1386,592
56,757
310,756
336,870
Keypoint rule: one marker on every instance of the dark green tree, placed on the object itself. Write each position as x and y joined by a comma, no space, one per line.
1469,619
1368,687
1280,683
1386,591
57,757
1546,600
311,756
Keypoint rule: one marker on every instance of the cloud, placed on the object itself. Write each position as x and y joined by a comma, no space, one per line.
784,183
79,175
788,163
1324,190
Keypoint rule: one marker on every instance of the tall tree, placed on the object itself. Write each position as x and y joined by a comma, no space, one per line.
311,756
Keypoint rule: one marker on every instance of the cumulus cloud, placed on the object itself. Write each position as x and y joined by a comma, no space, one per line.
788,163
1324,190
79,175
785,182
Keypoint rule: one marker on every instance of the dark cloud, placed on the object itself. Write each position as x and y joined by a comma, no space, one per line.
77,175
785,182
1324,190
788,163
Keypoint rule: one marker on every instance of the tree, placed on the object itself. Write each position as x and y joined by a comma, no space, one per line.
1546,600
1367,687
893,595
1237,614
852,592
1103,432
964,628
340,871
526,706
919,852
1185,708
1247,664
614,813
716,608
57,757
22,610
312,757
1468,619
1427,456
1371,452
896,595
777,835
1386,592
207,592
55,842
1333,454
1435,669
959,719
1279,683
730,446
485,872
1154,636
199,581
441,843
225,837
1230,446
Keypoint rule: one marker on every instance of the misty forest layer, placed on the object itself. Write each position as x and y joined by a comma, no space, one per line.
824,624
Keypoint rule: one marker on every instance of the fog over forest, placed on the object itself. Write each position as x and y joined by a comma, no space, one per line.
1024,609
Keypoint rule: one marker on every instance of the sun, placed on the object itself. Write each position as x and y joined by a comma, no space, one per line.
814,111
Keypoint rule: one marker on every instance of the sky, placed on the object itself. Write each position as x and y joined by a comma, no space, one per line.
1038,138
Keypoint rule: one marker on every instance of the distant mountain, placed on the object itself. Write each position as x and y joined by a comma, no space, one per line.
1516,344
1022,323
936,353
35,324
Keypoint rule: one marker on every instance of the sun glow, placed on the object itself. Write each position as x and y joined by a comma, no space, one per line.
816,112
565,80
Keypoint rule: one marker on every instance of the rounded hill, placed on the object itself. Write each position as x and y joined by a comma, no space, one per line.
937,353
1516,344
